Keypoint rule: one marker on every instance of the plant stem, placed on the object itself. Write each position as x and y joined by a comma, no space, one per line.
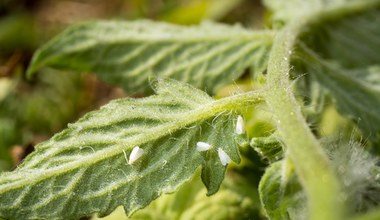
312,165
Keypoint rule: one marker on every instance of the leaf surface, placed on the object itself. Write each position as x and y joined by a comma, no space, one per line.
190,202
356,92
281,194
129,53
83,169
285,11
341,55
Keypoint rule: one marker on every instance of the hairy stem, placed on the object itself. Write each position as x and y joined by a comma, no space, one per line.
311,164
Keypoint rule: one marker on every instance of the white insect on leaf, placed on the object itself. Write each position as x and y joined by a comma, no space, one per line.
223,156
240,127
203,146
136,153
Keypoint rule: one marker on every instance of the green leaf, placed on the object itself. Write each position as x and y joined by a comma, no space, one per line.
129,53
83,169
352,41
269,148
236,199
356,92
281,194
285,11
342,55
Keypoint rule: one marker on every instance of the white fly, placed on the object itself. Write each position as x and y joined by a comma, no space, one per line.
240,127
223,156
203,146
135,154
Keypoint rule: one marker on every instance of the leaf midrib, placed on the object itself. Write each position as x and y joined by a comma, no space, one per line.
248,35
201,113
265,37
110,188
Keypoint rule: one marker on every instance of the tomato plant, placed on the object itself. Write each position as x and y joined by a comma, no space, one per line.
313,83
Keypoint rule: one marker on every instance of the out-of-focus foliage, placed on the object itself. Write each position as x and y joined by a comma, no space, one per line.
191,202
33,111
16,31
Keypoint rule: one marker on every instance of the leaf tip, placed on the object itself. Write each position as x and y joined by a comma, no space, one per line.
33,66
